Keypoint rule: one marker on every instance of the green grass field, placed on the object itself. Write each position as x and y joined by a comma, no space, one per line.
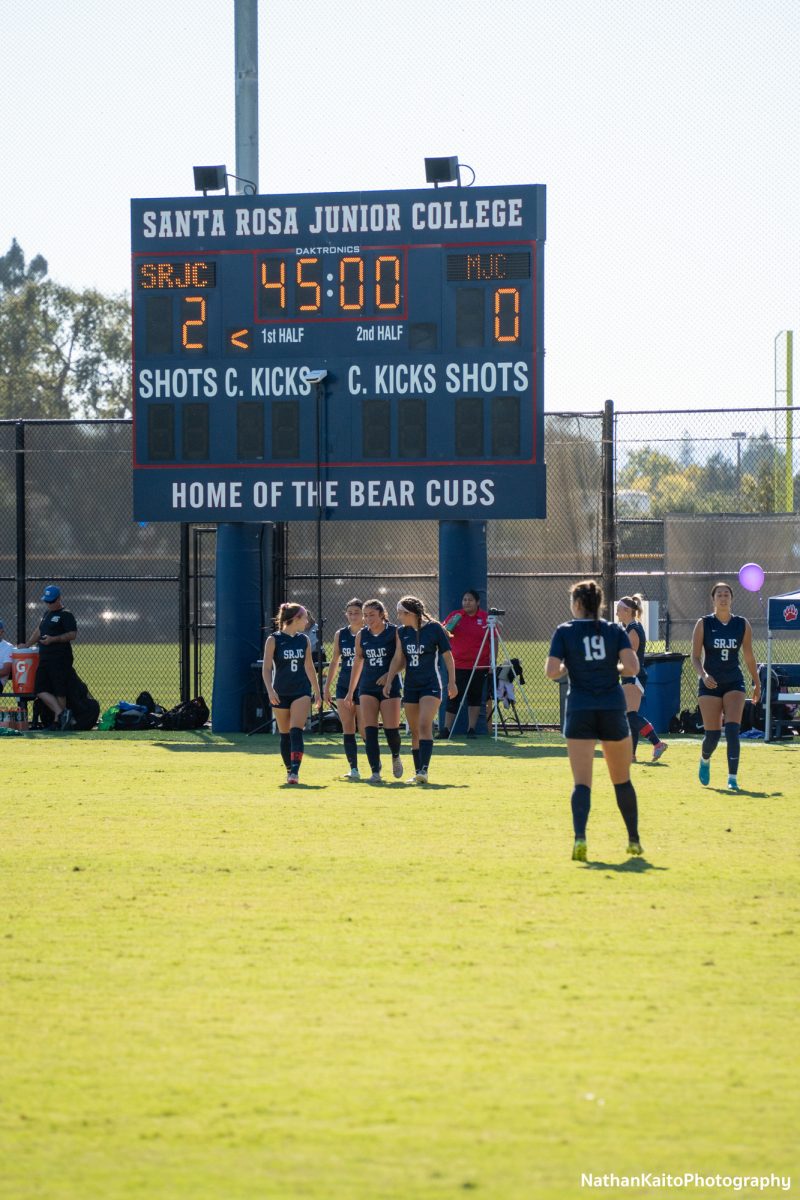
215,987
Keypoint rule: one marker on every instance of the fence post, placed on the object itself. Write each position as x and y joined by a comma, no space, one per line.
184,633
609,528
22,554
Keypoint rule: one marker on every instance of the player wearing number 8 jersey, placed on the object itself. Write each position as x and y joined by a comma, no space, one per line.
590,651
290,680
718,637
421,641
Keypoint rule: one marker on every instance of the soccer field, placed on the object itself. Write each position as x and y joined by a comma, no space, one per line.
216,987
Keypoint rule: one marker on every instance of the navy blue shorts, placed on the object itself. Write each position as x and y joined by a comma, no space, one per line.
378,692
341,694
286,700
597,724
413,695
732,685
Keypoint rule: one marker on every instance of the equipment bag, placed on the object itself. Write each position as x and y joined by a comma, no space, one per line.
192,714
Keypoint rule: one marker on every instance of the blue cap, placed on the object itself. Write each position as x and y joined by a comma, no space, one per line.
51,593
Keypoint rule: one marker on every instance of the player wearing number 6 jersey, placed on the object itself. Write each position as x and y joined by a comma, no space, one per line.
290,680
421,641
718,637
590,651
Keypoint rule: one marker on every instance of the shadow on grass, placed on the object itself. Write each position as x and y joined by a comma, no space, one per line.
631,866
723,791
330,745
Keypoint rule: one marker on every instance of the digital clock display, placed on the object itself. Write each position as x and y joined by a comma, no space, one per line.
425,313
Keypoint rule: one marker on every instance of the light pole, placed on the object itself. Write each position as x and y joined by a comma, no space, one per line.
739,439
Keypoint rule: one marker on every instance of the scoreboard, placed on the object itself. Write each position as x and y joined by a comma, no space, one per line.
344,355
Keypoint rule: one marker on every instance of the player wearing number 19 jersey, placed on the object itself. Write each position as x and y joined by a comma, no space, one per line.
589,650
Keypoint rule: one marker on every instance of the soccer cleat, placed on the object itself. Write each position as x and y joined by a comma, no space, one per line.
704,771
375,777
471,733
64,719
353,774
635,848
420,777
658,750
397,767
443,735
733,783
292,778
579,851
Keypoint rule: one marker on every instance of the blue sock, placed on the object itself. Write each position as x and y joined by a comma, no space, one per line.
371,742
626,803
732,737
393,740
710,742
415,756
581,803
296,736
285,751
351,750
425,752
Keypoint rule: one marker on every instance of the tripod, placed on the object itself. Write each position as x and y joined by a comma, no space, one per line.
507,666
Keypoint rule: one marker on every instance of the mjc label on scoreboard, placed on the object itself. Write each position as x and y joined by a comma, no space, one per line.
366,355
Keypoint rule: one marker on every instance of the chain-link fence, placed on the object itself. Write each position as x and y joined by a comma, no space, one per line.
697,495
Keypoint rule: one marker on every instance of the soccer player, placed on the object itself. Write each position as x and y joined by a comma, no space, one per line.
290,680
344,651
375,646
420,642
629,610
590,650
717,639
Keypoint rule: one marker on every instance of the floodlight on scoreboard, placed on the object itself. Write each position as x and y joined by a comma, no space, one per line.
424,314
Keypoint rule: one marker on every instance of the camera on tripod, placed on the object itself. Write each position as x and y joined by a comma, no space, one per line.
497,612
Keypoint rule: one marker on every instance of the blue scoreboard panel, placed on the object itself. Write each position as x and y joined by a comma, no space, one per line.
423,310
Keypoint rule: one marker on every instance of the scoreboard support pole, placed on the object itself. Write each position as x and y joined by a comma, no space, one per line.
463,563
240,620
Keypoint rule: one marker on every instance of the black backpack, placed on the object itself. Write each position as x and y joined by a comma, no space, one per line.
192,714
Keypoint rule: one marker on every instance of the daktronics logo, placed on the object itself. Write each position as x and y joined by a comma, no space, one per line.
790,613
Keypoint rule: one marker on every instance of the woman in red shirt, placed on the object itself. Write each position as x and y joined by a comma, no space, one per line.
467,628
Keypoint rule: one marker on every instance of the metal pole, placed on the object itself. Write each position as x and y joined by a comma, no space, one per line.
789,419
246,66
184,636
22,553
609,538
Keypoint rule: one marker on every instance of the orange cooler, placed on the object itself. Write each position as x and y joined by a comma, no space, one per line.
23,671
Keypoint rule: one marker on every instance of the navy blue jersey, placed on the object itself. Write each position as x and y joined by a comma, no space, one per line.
347,650
721,646
641,650
289,664
378,650
590,649
421,647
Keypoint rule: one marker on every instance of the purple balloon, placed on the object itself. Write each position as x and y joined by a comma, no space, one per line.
751,577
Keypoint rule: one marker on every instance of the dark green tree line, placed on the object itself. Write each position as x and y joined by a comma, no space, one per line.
63,353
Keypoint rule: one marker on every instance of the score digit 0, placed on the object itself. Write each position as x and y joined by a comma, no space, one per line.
506,315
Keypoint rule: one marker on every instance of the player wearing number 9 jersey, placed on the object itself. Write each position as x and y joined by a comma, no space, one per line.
290,680
590,651
421,642
718,637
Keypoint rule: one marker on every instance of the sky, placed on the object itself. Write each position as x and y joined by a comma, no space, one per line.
666,135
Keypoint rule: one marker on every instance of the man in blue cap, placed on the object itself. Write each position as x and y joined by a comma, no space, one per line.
54,636
5,655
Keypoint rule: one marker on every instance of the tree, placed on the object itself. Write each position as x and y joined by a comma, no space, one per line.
63,353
